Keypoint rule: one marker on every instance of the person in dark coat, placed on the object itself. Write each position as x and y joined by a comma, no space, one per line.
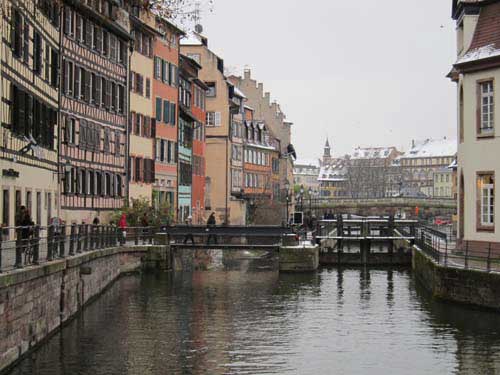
211,223
189,234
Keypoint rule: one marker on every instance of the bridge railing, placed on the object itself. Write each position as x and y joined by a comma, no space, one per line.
444,250
229,235
30,245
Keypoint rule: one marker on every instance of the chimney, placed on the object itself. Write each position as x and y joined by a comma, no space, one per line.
247,74
261,88
412,143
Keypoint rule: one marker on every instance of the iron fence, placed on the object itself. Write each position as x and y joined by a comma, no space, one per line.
443,248
32,245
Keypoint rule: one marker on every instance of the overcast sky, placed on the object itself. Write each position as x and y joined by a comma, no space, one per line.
365,72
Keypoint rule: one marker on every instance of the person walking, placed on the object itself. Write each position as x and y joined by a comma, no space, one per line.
211,223
123,227
189,234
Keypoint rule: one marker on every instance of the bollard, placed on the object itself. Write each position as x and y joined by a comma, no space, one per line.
72,239
36,244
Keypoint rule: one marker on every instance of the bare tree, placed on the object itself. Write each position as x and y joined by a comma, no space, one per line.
367,178
183,12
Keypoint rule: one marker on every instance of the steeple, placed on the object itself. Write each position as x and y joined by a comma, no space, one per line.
326,152
327,155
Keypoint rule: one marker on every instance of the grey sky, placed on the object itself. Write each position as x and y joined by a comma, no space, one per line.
367,73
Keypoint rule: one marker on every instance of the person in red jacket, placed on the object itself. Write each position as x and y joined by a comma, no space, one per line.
123,226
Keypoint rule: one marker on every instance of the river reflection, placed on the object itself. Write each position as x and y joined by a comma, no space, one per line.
335,321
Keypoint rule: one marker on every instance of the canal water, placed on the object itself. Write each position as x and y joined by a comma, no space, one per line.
335,321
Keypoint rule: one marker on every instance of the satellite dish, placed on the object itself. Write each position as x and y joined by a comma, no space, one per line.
198,28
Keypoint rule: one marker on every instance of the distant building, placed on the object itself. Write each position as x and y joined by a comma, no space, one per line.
443,183
423,161
370,172
332,179
477,74
305,173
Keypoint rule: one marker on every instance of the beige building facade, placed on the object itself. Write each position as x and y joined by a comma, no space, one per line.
141,123
29,61
220,110
477,74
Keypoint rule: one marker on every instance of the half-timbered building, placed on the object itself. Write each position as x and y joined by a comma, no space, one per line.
29,55
94,107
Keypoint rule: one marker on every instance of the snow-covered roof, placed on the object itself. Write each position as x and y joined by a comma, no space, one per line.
432,148
239,93
479,54
306,163
372,152
191,39
333,172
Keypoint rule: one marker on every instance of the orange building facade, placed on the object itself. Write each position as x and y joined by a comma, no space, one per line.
165,114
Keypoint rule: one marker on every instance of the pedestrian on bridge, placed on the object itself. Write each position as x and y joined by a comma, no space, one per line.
211,223
189,234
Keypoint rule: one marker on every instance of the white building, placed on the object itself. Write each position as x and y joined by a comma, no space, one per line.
305,173
423,160
477,74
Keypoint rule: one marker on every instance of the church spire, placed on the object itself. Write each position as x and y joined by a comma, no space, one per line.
326,151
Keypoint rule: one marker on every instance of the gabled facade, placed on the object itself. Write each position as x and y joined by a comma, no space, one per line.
94,107
29,133
221,106
477,74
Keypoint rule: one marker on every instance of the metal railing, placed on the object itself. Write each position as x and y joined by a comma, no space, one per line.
32,245
446,251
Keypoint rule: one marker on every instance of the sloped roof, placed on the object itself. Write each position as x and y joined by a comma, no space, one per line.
372,152
432,148
486,40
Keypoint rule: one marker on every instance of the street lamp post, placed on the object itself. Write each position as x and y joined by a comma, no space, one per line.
287,188
310,191
301,195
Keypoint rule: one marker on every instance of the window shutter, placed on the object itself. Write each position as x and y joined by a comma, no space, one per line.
153,127
67,20
131,122
164,71
76,87
217,119
152,175
137,169
88,33
148,88
132,81
172,113
86,76
162,152
158,109
157,72
26,42
145,177
166,111
129,168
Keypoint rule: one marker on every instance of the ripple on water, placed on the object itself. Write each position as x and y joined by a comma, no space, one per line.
351,321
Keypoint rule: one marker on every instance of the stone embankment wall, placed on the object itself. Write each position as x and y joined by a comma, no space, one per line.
472,287
37,300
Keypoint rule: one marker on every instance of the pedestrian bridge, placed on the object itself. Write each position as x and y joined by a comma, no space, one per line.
381,206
